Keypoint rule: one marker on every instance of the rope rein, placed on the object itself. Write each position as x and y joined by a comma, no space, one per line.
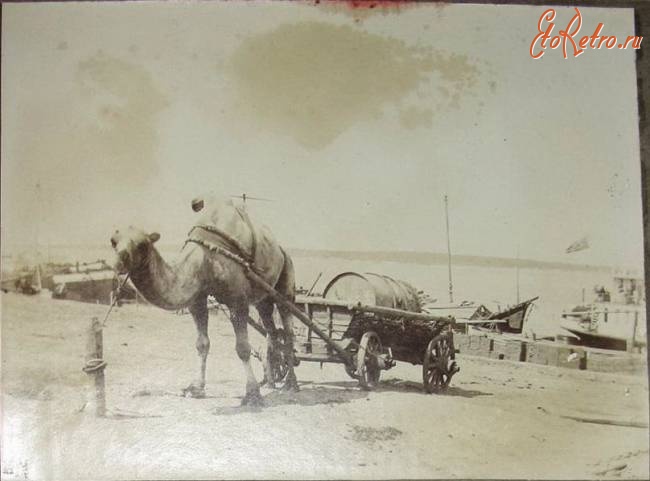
115,299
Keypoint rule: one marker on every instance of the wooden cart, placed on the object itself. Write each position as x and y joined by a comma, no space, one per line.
366,339
373,338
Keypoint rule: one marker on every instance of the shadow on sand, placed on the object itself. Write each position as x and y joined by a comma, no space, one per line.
400,385
338,392
122,416
310,394
179,393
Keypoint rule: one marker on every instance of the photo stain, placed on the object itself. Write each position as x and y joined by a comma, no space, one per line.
314,80
123,104
361,10
413,117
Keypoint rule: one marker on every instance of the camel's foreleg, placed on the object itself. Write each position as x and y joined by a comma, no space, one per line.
199,311
239,319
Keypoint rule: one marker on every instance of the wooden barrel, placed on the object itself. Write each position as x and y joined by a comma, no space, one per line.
373,290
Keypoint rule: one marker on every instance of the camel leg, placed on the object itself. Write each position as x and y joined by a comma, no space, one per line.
265,309
286,286
291,382
199,311
239,318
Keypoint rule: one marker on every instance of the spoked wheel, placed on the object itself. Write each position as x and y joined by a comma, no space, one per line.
439,365
368,370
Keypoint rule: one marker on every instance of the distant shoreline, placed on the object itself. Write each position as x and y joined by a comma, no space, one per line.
414,257
409,257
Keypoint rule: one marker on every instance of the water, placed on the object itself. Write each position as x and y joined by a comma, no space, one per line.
557,288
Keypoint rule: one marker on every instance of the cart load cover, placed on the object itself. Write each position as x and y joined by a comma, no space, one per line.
373,290
221,224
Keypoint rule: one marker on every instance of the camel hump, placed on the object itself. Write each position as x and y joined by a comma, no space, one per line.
222,224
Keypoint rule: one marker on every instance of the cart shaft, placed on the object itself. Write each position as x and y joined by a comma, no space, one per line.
302,317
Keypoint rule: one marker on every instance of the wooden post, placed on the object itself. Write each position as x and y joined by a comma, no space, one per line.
95,364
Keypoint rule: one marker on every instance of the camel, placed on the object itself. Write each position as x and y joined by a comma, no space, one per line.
204,267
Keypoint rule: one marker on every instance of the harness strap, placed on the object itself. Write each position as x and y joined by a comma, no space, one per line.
248,266
234,244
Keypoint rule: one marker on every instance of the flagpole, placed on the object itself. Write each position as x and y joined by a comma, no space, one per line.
451,287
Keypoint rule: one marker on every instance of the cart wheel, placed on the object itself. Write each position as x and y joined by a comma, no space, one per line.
277,358
439,366
368,370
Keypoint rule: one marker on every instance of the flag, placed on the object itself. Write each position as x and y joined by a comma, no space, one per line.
578,245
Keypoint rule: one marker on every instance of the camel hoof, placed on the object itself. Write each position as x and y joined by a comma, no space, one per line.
194,391
265,382
291,385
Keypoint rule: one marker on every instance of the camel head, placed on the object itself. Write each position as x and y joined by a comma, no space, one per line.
132,248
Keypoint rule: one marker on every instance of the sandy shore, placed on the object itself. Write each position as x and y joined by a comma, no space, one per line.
498,420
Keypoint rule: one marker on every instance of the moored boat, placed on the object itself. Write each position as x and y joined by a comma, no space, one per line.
508,320
616,319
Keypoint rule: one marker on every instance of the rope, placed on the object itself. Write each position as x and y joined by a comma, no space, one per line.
94,365
225,252
110,308
224,237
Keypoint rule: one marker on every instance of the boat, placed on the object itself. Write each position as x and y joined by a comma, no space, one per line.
92,286
470,315
89,282
24,281
616,319
514,317
509,320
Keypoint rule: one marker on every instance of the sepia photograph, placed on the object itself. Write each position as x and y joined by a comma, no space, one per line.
323,240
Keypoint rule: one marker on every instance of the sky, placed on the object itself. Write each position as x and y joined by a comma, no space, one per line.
355,123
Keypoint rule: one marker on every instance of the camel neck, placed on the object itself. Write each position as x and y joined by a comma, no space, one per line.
169,286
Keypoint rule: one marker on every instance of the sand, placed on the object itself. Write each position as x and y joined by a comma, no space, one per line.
499,419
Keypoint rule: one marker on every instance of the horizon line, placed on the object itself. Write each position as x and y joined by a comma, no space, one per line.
409,256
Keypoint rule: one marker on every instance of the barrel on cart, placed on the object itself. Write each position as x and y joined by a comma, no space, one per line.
367,322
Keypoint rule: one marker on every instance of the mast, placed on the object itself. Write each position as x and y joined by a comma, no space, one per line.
40,208
38,283
451,286
517,270
37,243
